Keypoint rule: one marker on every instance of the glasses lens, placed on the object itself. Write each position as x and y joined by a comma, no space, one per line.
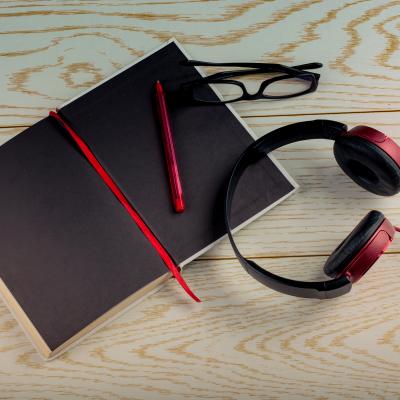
229,92
288,87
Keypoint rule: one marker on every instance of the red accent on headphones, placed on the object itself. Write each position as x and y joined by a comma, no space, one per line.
370,253
372,160
384,235
378,138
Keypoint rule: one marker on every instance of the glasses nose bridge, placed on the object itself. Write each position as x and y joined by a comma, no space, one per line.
261,87
252,96
248,93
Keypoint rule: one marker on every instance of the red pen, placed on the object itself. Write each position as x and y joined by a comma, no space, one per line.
169,150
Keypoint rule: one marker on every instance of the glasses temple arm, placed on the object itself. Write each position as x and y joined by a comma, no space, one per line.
313,65
261,66
233,74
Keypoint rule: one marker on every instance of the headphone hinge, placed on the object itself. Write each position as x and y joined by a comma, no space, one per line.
331,129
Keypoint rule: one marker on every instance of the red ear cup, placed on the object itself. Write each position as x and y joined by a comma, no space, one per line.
371,159
361,248
384,142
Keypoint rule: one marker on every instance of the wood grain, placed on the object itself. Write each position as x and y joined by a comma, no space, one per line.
243,342
72,45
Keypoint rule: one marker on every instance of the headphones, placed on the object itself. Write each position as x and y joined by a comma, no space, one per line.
367,156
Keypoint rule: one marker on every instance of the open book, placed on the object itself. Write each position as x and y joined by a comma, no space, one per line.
71,256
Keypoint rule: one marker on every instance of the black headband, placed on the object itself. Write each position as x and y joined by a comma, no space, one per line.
317,129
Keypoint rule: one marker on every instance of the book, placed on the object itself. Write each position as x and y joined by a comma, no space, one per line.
72,257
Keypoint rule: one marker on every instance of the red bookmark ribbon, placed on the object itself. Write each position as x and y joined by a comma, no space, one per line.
175,270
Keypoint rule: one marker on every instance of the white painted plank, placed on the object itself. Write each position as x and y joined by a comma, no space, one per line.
52,51
243,342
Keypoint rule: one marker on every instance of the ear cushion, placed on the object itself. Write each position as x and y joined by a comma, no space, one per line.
368,165
354,242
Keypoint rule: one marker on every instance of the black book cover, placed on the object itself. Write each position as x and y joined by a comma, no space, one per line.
70,251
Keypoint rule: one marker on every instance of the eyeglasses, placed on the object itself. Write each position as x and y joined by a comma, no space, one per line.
294,81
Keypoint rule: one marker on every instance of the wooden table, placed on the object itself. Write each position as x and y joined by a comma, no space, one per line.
244,341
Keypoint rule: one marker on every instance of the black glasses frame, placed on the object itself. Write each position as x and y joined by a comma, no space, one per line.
298,71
